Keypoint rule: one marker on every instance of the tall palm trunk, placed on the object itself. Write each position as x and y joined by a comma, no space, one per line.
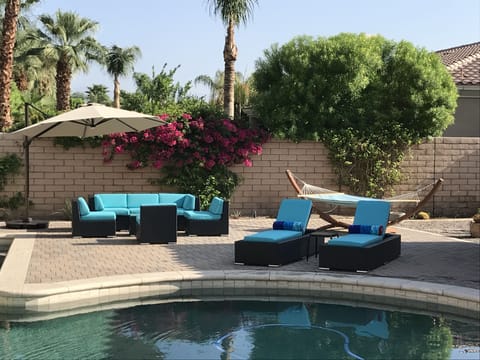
229,56
63,80
12,9
116,92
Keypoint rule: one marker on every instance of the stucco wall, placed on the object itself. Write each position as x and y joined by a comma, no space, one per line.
56,175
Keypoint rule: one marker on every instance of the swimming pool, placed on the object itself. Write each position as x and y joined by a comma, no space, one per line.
243,329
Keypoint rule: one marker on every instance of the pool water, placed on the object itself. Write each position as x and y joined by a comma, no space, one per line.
242,330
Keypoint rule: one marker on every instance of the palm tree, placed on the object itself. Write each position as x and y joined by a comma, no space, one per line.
12,10
67,38
119,62
232,13
215,85
98,94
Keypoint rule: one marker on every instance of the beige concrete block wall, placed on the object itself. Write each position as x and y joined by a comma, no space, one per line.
57,175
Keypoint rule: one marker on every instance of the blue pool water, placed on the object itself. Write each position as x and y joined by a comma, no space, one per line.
242,330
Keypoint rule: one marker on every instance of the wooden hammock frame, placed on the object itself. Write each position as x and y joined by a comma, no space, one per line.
336,223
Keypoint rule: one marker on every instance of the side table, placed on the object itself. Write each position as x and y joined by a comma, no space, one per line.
158,224
319,237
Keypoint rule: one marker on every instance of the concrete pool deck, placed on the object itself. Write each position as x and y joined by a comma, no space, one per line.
48,271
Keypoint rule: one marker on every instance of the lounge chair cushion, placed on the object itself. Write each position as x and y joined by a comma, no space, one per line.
356,240
367,212
273,235
296,210
83,207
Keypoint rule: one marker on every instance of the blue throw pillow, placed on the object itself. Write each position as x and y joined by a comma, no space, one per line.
366,229
288,225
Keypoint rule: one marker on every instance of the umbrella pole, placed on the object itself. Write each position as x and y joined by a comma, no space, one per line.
26,148
27,222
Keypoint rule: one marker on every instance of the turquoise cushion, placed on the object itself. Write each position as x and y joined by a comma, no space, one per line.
273,235
189,202
99,215
355,240
83,206
113,200
118,211
171,198
216,206
372,212
201,215
98,203
137,200
295,210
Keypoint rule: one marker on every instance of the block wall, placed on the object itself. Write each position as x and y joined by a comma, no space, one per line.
57,175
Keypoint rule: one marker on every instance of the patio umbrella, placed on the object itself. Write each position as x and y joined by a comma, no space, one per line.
85,121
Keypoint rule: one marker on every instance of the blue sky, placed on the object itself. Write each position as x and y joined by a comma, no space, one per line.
183,32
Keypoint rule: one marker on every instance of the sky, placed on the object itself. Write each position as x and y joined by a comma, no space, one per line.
186,33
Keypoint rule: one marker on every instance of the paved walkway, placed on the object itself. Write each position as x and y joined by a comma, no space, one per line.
55,258
59,257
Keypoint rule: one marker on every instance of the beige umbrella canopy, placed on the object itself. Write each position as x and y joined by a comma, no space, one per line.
85,121
91,120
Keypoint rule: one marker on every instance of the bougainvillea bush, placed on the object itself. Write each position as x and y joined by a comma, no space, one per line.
193,154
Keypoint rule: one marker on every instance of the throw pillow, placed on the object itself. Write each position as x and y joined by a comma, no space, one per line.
366,229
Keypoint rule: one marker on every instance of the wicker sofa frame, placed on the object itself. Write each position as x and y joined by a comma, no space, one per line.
209,227
274,253
350,258
90,228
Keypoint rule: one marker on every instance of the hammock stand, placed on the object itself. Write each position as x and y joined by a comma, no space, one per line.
336,223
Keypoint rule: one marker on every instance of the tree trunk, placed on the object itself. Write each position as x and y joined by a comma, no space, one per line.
229,56
63,80
12,9
116,92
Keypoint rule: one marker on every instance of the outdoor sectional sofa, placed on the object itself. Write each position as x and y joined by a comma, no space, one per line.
126,205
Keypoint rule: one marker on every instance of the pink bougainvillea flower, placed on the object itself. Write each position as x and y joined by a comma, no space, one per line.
248,163
210,164
157,164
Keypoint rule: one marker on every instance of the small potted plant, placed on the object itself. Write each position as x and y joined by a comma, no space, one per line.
475,225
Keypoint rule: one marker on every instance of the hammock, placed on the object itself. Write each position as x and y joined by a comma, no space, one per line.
323,195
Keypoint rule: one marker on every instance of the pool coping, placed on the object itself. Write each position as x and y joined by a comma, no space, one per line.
19,299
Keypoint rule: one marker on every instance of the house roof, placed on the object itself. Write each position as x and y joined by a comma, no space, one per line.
463,62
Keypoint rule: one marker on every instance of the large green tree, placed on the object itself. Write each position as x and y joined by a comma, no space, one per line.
155,94
365,97
232,13
119,62
67,37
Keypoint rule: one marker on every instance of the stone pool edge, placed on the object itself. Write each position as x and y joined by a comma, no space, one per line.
18,297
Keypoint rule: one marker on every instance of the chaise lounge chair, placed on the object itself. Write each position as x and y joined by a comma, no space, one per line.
285,243
367,246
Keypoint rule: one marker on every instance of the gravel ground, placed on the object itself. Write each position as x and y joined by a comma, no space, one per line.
458,228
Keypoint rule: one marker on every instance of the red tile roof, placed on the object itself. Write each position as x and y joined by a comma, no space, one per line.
463,62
